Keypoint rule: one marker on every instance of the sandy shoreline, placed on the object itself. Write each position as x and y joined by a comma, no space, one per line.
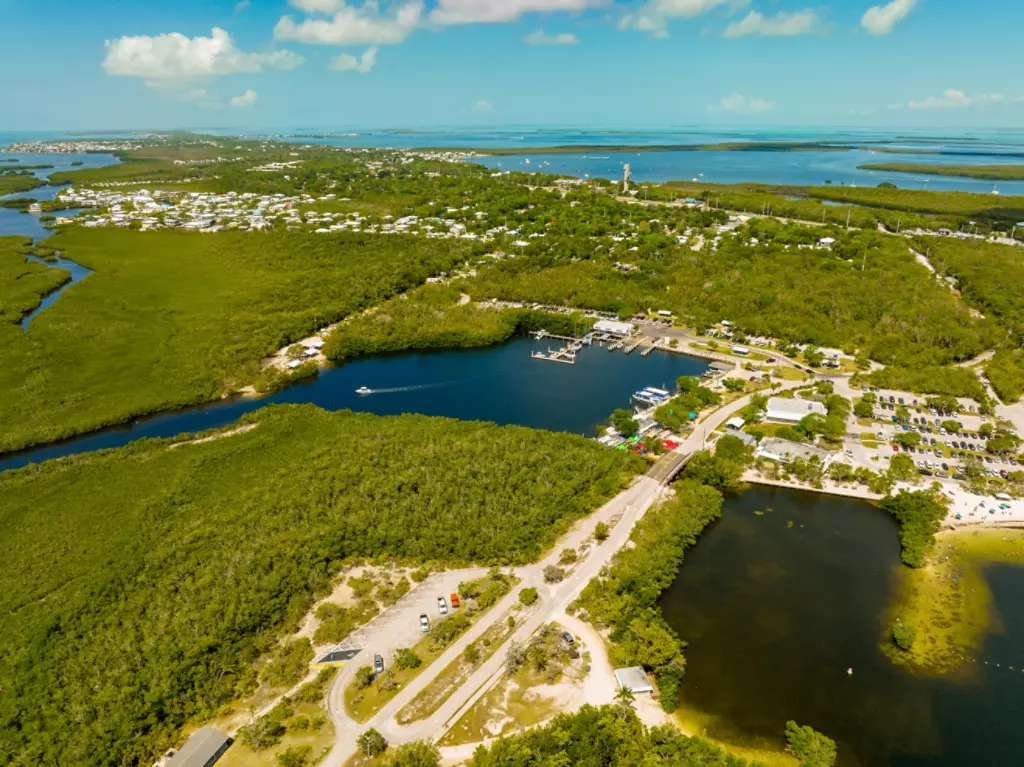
973,510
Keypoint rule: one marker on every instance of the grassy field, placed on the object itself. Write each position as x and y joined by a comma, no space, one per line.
172,319
987,172
140,585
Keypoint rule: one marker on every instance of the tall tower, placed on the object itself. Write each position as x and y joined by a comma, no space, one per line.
625,178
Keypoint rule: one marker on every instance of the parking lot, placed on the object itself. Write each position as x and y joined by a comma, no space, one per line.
399,625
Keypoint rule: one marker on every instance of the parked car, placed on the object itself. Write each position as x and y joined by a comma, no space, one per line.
568,638
424,623
442,606
454,599
378,664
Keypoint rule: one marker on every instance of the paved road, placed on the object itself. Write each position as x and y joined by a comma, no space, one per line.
622,511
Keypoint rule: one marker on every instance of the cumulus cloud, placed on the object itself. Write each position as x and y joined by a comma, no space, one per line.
318,6
481,11
880,19
781,24
351,25
346,62
482,107
539,38
953,99
654,15
177,57
247,99
737,103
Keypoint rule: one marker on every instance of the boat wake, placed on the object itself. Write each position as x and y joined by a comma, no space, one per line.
418,387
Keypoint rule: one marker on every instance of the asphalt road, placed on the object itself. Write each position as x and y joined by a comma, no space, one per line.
621,513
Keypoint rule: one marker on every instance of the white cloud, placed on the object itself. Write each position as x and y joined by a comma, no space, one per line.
654,15
346,62
953,99
177,57
781,24
482,107
350,25
318,6
247,99
880,19
242,5
539,38
737,103
481,11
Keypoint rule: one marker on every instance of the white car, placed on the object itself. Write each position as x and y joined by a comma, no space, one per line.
442,606
424,623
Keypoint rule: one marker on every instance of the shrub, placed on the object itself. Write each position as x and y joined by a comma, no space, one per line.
601,532
567,557
296,756
553,574
812,748
371,743
262,733
406,658
903,634
289,664
364,677
528,596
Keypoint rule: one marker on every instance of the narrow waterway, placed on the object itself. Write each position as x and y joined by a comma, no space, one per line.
775,607
78,273
498,383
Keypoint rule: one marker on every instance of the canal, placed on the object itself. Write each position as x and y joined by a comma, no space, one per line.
497,383
776,606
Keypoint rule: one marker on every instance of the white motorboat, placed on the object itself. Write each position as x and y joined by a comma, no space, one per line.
364,390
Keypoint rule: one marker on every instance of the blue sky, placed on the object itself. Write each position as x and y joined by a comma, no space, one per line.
68,64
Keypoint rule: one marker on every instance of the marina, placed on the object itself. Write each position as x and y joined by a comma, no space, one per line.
484,384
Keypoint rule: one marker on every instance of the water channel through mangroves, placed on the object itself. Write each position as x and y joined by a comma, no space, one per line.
776,607
78,273
499,383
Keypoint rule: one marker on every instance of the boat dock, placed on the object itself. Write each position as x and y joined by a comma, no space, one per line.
585,341
566,355
633,345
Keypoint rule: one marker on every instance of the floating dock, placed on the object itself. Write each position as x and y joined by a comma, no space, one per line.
566,355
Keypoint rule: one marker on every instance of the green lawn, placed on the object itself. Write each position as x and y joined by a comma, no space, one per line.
172,319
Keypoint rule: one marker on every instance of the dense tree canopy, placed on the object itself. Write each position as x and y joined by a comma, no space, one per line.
626,598
139,583
172,318
609,736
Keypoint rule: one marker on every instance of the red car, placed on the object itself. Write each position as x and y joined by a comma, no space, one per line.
895,448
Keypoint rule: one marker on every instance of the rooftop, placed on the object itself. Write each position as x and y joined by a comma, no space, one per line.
202,749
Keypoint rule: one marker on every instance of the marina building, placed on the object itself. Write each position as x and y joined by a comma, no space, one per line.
614,328
792,410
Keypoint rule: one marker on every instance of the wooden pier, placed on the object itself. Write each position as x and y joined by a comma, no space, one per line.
566,355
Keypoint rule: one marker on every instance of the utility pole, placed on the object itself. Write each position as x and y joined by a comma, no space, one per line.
848,219
898,222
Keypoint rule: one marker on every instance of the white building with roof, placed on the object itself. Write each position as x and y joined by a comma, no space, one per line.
614,328
792,410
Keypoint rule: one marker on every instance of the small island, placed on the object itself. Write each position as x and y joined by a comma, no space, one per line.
986,172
